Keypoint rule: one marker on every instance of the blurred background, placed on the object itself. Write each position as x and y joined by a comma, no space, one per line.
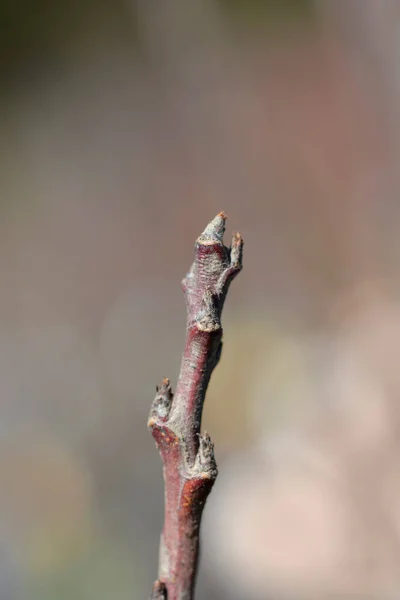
125,126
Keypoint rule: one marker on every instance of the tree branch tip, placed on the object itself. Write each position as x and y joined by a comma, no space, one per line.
214,231
190,468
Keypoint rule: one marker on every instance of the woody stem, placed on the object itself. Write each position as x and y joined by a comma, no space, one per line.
175,420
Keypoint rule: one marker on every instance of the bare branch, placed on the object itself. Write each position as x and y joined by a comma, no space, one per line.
175,420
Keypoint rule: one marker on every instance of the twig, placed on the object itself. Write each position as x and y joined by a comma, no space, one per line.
189,464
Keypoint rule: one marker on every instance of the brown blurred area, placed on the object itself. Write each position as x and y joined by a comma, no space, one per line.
125,127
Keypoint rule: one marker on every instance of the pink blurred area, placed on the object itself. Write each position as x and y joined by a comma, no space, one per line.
121,138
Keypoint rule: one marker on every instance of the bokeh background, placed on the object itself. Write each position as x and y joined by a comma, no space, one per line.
125,126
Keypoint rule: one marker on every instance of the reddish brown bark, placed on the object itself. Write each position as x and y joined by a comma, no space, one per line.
175,419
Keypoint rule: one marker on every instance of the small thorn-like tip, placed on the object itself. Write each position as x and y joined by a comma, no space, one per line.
159,591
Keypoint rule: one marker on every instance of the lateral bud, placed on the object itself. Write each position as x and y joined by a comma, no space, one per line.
162,403
234,266
205,464
236,251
